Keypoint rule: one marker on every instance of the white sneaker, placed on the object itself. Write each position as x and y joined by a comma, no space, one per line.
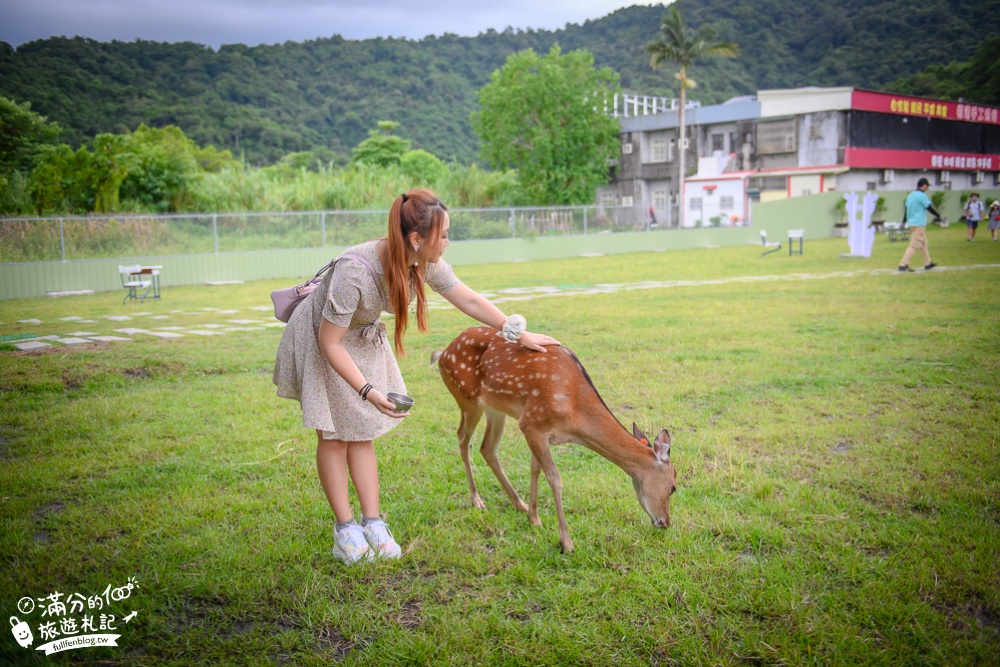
349,544
381,541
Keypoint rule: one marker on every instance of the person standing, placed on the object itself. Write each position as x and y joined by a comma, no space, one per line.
994,217
915,216
336,360
973,214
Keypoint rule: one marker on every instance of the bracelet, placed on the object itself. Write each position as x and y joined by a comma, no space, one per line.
363,392
513,328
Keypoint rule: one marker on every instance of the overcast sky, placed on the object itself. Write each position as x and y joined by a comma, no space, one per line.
217,22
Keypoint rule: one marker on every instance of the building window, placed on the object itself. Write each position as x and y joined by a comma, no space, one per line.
871,185
671,144
658,149
660,199
695,204
776,137
717,144
608,199
726,203
769,183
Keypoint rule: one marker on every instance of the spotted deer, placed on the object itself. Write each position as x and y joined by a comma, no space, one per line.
554,401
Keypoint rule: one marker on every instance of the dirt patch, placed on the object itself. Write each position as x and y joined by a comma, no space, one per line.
988,620
48,509
842,447
330,642
409,616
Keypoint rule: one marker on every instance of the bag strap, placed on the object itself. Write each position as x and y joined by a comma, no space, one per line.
371,270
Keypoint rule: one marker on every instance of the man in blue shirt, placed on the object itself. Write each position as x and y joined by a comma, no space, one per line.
915,216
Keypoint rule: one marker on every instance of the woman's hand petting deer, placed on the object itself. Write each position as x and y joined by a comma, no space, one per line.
336,361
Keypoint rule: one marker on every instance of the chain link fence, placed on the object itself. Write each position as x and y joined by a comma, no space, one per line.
96,237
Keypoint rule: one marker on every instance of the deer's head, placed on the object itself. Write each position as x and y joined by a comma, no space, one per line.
655,484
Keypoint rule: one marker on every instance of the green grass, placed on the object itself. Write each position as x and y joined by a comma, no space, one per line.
835,442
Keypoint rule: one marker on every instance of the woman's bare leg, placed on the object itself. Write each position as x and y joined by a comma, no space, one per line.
335,459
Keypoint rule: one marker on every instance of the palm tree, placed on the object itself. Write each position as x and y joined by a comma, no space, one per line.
681,45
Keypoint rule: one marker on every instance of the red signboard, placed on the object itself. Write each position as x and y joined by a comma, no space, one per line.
879,158
904,105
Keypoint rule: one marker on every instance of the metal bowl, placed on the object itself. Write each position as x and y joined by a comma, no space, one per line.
402,401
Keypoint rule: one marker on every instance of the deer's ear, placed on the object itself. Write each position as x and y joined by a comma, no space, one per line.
639,435
661,446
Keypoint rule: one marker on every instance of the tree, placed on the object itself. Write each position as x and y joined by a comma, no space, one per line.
679,44
422,168
544,117
381,147
22,134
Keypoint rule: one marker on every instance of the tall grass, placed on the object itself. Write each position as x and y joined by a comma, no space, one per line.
354,188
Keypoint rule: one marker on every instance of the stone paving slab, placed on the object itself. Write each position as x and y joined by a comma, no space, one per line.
109,339
131,331
31,345
118,318
73,341
164,334
31,321
201,332
83,334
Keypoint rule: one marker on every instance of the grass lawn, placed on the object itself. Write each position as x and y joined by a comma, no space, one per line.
834,431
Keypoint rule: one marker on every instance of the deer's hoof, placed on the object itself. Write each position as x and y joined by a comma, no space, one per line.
566,548
520,506
478,503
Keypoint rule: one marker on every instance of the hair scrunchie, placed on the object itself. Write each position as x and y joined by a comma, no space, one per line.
513,328
404,197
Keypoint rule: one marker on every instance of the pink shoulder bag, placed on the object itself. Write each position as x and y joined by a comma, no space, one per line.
288,299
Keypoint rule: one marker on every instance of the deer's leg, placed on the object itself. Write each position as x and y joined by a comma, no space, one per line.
539,443
533,503
491,443
470,418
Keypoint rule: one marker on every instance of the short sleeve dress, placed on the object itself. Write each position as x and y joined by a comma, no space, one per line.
347,297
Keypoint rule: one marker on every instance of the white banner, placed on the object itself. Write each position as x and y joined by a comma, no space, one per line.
79,641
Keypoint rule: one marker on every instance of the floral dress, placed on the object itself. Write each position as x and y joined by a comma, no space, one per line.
347,297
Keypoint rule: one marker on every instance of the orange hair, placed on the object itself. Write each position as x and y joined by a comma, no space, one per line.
417,211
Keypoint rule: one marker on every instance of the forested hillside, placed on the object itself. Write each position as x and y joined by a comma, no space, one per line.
266,101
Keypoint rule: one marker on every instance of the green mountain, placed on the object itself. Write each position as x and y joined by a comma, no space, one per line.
267,101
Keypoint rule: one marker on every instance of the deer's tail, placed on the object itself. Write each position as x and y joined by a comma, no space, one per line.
435,355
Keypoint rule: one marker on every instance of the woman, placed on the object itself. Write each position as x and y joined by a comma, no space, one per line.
334,357
994,217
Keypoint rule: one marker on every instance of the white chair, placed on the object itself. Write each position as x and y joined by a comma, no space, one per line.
775,247
131,277
792,235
